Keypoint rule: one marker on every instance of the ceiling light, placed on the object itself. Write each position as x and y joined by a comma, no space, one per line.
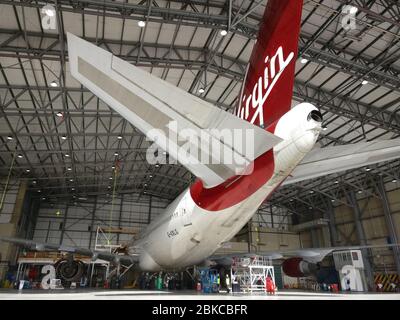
312,191
53,84
310,208
157,165
109,187
141,23
223,33
67,155
119,137
394,180
20,156
34,182
367,169
360,191
69,169
39,191
145,184
303,61
64,137
113,167
151,176
201,90
324,128
72,180
43,198
116,153
164,153
27,170
110,178
333,200
337,181
364,82
49,12
353,10
72,189
9,138
59,114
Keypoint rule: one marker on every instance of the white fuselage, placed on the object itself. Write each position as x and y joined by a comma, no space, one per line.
186,234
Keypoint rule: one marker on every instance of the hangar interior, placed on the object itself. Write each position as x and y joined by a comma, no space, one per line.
71,165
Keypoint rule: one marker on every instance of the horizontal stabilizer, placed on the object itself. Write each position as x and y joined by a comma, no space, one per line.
149,103
320,162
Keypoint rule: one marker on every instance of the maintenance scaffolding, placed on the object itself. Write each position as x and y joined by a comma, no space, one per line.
251,273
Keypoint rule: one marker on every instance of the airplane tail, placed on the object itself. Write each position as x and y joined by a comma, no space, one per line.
267,91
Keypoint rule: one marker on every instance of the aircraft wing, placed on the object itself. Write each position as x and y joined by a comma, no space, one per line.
38,246
313,255
153,105
321,162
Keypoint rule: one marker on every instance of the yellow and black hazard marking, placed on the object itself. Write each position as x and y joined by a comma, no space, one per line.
386,280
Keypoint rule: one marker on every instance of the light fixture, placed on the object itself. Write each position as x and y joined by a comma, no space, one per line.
353,10
64,137
113,167
27,170
119,137
151,176
394,180
43,198
324,128
310,208
157,165
360,191
141,23
34,182
9,138
67,155
164,153
201,90
59,114
312,191
364,82
303,61
58,213
72,189
109,187
367,169
39,191
116,153
69,168
145,184
20,156
72,180
110,178
53,84
337,181
49,12
223,33
333,200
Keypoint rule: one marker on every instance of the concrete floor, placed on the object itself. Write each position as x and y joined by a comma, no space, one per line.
88,294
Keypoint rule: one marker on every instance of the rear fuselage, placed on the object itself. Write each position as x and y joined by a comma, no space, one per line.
200,220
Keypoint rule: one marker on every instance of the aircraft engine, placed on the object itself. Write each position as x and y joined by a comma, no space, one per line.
69,270
298,268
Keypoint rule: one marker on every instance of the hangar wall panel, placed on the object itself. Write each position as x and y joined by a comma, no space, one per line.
75,224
